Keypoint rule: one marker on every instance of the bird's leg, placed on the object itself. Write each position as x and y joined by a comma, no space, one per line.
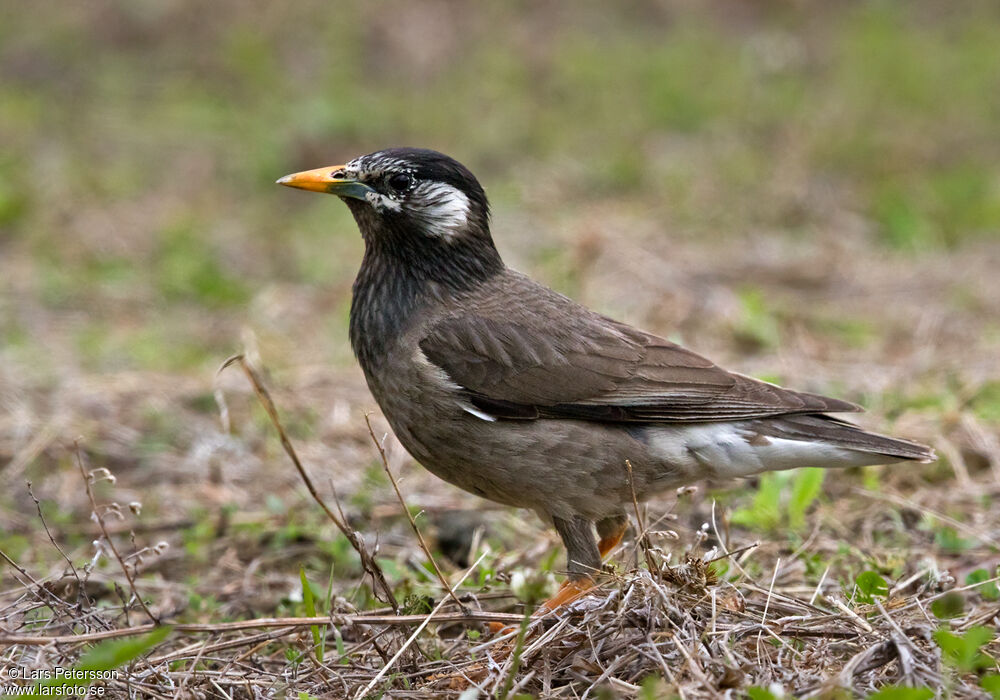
611,530
582,556
583,560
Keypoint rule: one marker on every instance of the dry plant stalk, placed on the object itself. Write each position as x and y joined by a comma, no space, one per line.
409,516
642,536
48,533
368,563
265,623
34,582
420,628
107,537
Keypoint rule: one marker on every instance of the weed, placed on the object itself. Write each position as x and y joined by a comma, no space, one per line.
869,586
782,499
964,652
989,589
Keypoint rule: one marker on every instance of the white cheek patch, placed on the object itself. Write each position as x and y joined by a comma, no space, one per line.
443,209
382,203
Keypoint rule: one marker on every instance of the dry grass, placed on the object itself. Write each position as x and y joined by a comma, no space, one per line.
697,634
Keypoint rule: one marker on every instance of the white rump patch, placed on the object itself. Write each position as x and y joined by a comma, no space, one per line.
734,450
442,208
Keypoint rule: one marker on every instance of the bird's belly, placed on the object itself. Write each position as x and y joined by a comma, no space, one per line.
555,467
566,467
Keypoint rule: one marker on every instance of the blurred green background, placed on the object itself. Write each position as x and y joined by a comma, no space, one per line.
139,220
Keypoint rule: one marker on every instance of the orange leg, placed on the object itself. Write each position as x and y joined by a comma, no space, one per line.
569,591
609,542
611,531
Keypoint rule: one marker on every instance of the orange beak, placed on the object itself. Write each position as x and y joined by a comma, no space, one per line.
332,180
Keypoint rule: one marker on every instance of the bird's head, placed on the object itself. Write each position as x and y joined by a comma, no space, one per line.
411,200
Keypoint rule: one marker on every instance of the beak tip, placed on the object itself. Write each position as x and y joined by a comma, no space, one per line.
328,180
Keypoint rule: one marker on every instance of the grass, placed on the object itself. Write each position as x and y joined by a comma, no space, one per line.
907,589
806,193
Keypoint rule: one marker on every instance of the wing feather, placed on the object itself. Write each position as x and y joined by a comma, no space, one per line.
550,357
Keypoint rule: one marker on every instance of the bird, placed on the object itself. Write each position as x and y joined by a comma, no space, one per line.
516,393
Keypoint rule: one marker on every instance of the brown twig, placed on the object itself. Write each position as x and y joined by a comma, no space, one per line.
733,553
374,681
409,516
45,525
194,669
107,537
37,584
263,623
368,563
643,536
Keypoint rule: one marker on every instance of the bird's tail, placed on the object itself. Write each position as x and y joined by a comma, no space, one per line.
840,433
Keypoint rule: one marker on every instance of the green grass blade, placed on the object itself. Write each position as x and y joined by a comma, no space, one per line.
106,656
310,603
805,489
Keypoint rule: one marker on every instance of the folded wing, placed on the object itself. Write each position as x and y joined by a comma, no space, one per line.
550,357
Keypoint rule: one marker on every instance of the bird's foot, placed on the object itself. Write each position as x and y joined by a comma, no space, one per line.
569,591
496,628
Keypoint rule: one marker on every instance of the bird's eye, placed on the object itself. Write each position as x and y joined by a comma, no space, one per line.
400,182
